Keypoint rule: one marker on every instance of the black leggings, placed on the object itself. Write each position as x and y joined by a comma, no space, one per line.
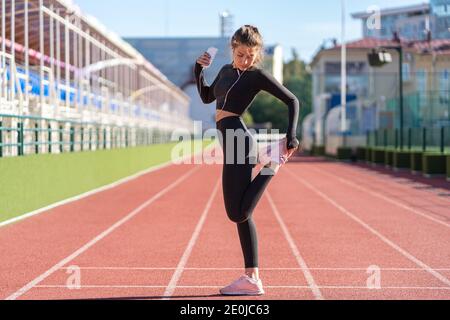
240,193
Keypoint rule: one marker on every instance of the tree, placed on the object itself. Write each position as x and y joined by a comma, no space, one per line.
295,68
267,108
302,89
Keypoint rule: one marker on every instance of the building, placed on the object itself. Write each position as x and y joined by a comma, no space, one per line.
410,22
440,10
373,93
273,61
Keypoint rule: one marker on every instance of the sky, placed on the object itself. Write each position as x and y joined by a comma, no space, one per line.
299,24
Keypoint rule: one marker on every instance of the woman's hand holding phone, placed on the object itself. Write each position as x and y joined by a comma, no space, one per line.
206,58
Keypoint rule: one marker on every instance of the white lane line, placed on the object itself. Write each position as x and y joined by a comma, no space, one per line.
232,269
66,260
372,230
184,259
308,276
101,189
385,177
214,287
381,196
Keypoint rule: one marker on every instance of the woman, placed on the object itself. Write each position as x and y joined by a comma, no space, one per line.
234,88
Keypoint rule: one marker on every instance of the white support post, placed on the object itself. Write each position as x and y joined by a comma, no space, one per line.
93,79
27,58
111,89
87,80
42,51
3,65
103,76
58,57
80,66
129,90
12,74
343,72
122,81
117,89
75,64
52,63
67,61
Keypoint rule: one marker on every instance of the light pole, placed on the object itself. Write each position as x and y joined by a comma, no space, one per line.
343,72
400,53
376,61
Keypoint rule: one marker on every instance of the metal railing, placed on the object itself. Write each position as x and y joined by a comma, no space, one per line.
25,135
435,139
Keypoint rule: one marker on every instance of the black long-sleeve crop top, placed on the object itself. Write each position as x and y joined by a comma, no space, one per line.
234,91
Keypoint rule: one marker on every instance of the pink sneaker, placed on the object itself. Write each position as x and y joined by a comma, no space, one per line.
272,156
244,286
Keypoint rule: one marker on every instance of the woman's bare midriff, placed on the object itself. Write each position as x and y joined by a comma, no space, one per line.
221,114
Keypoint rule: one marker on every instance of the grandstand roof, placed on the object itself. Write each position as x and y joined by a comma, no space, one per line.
65,8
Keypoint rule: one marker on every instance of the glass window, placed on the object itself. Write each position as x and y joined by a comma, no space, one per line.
406,71
421,78
357,77
444,86
441,10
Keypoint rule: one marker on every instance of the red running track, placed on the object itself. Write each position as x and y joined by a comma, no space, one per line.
327,230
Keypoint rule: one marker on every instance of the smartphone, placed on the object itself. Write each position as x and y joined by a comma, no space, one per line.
212,51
